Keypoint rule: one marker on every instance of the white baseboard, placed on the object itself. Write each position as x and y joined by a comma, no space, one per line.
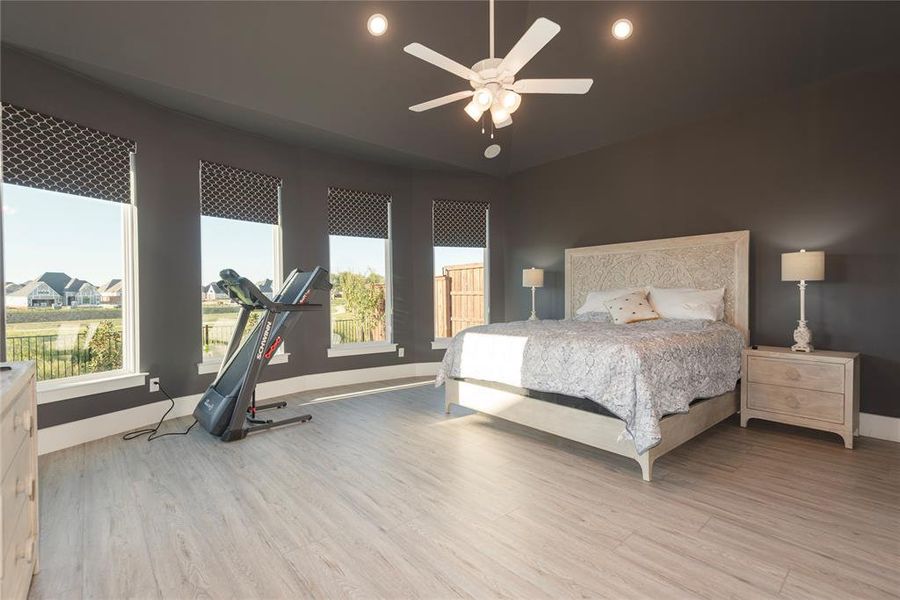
56,438
880,427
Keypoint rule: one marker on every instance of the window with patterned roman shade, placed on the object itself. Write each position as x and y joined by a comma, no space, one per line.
232,193
460,224
358,214
47,153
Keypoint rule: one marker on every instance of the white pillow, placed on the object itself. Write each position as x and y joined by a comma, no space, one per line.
688,303
596,301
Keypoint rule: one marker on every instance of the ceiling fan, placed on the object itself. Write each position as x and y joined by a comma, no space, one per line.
494,87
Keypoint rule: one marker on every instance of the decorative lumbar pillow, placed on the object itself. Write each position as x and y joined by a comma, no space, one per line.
631,308
596,301
688,303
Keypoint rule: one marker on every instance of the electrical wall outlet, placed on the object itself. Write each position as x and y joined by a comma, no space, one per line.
154,384
401,351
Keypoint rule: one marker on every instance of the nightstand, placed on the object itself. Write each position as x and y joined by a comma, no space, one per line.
819,389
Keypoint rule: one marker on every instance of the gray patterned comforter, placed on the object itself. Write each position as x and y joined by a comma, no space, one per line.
639,372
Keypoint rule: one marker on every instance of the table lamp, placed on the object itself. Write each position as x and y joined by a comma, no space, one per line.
802,266
533,278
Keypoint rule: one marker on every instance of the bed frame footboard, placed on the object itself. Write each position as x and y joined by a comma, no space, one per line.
599,431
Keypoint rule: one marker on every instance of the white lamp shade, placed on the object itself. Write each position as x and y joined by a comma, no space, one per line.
803,266
532,277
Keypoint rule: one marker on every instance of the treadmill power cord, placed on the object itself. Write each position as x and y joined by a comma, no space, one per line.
152,432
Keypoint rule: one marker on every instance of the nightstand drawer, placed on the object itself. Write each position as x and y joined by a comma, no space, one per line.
824,377
822,406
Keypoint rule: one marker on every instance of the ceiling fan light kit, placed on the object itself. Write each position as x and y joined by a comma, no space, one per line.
493,79
473,110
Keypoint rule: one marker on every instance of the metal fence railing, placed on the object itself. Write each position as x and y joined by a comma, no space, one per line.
216,335
58,356
350,331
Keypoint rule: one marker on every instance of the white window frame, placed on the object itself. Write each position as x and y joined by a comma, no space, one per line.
441,343
380,346
128,376
212,364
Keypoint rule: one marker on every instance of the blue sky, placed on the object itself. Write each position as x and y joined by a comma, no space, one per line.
248,248
50,231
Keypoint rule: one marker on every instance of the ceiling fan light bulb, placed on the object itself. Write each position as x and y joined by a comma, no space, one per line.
510,100
484,98
499,115
474,111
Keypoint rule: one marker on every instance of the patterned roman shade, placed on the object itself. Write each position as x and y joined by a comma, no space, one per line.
40,151
460,224
232,193
358,214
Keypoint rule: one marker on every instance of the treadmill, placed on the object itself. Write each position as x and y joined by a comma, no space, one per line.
228,407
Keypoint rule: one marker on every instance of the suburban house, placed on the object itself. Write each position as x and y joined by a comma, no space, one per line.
266,288
54,289
214,292
111,292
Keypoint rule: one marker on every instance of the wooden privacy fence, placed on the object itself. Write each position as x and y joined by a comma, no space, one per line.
458,299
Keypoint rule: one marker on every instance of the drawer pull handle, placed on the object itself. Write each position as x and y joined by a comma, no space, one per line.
26,487
24,420
27,551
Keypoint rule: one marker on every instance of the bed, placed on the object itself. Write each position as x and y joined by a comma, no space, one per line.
556,376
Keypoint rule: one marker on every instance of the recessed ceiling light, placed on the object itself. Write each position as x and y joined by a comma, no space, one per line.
492,151
377,24
622,29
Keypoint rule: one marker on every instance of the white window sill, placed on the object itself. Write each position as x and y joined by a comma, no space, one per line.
441,344
212,366
87,385
364,348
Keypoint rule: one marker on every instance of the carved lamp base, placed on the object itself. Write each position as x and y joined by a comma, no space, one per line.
802,337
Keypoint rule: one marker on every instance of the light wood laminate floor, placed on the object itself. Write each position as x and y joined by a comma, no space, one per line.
383,495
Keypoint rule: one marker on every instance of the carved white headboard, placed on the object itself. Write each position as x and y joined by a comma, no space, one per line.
698,261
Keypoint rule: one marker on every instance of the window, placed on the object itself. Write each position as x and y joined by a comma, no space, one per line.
359,244
68,230
461,293
238,230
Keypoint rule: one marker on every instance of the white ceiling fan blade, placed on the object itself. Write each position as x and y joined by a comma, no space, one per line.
439,60
541,31
442,101
553,86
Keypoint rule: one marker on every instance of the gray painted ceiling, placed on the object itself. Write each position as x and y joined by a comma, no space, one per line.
308,72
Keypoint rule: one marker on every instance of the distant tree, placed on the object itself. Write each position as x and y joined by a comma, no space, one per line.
252,320
106,348
363,294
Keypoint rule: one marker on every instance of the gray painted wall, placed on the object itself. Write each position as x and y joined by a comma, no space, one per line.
169,147
814,169
819,168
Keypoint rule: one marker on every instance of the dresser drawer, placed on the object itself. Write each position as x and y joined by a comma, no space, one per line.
17,424
822,406
18,560
824,377
17,491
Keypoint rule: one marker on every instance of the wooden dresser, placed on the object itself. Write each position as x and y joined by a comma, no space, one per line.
18,482
817,389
